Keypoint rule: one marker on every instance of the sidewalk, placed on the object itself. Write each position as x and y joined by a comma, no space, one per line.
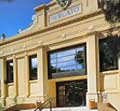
66,109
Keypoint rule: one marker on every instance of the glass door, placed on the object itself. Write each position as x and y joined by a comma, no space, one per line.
72,93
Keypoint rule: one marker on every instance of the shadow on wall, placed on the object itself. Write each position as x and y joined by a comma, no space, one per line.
106,107
21,107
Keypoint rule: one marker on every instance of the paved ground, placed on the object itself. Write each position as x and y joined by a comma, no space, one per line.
67,109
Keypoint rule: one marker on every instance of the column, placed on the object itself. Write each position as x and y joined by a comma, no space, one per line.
42,70
27,75
3,79
93,69
15,76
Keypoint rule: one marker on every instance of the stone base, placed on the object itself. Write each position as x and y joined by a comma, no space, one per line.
10,101
96,97
2,102
66,109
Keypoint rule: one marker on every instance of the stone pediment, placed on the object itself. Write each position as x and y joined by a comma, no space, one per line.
53,14
48,22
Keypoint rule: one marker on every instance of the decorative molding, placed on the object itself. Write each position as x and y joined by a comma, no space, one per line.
26,54
12,49
1,52
41,7
65,13
24,45
91,28
19,37
64,3
14,56
64,36
40,42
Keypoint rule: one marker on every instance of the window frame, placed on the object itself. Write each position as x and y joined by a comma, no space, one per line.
31,77
9,72
65,49
112,38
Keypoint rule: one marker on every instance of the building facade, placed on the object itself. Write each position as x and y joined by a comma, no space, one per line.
68,54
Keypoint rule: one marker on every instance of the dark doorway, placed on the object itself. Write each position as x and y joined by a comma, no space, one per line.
71,93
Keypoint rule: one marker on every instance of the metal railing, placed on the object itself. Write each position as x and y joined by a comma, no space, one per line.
44,104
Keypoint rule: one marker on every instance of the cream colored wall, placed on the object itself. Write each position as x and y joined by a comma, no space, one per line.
56,36
111,87
84,5
3,78
34,88
52,85
114,79
22,89
52,91
114,99
21,77
92,69
0,67
10,89
86,27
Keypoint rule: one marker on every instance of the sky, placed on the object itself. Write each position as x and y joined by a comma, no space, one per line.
17,15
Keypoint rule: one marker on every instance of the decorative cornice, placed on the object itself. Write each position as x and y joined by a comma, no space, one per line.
51,3
43,6
78,19
40,7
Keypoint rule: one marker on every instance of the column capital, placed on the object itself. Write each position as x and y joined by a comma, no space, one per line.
42,47
26,54
92,33
14,56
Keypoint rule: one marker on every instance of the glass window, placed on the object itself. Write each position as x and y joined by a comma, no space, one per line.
65,53
71,93
33,66
70,61
65,64
66,58
9,68
109,49
53,55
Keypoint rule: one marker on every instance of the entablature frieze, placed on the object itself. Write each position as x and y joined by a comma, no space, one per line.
71,32
48,29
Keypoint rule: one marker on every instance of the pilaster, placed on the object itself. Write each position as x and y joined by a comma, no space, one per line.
42,70
15,76
27,75
93,69
3,79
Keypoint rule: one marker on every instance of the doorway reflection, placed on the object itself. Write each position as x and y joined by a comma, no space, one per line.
72,93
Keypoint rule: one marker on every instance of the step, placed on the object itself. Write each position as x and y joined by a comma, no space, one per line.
66,109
